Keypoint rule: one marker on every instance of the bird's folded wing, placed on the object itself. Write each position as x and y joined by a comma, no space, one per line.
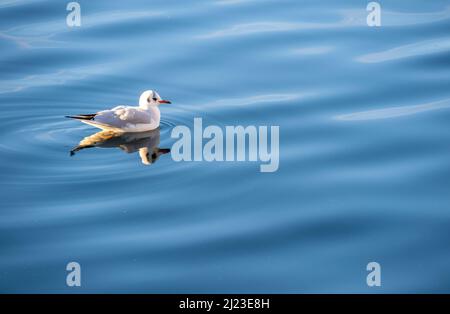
121,116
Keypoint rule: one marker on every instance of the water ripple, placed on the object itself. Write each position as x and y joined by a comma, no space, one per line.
416,49
344,19
394,112
59,77
42,34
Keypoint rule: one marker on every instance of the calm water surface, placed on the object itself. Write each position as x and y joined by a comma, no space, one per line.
364,147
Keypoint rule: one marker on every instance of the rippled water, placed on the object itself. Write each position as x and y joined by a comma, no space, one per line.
364,157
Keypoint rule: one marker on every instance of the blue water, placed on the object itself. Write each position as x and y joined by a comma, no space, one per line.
364,170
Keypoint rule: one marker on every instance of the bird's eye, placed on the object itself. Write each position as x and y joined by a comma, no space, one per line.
155,99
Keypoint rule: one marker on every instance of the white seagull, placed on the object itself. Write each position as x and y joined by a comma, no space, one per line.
122,119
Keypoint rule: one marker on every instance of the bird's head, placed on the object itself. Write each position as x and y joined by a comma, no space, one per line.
151,98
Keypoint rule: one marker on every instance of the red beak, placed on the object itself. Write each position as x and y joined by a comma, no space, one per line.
164,102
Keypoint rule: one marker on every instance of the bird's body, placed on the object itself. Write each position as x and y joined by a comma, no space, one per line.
125,119
145,117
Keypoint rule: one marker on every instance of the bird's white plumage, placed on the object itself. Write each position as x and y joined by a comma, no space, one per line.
128,119
146,117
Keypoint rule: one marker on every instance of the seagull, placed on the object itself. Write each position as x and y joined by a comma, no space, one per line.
128,119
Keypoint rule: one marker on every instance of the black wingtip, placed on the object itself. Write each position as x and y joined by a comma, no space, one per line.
82,117
75,117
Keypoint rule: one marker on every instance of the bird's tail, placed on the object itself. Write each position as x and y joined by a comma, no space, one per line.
83,116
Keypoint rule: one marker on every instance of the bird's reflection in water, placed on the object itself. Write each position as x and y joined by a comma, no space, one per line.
146,143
